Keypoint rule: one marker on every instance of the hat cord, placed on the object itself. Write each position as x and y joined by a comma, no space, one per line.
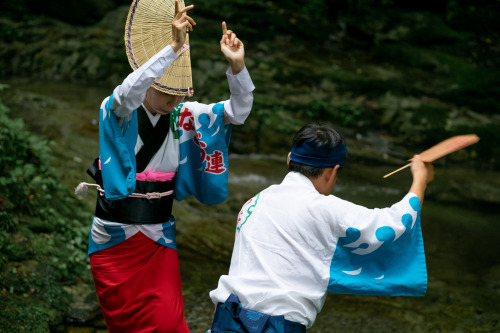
185,47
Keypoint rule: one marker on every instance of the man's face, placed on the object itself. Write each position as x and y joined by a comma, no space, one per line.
158,102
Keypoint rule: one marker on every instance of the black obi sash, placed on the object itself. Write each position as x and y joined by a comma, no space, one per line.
135,210
139,210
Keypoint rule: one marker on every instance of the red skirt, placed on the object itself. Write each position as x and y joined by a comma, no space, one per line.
138,283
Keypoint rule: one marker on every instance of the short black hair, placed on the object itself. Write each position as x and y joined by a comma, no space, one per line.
321,134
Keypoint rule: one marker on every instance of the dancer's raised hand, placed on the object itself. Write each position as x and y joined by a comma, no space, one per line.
233,49
180,25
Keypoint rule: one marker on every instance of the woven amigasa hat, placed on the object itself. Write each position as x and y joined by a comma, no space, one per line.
147,31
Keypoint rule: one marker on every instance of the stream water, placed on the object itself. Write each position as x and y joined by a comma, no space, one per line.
460,236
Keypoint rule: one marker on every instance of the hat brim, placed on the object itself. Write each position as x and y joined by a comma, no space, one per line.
147,31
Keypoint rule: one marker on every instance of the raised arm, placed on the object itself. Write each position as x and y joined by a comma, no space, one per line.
237,109
129,95
233,49
423,173
180,25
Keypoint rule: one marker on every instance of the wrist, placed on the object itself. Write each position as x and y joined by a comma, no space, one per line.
237,66
176,46
418,188
420,181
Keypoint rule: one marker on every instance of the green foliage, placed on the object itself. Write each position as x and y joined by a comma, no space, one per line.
317,109
9,35
297,18
442,75
43,233
480,92
349,115
4,240
21,316
488,149
25,181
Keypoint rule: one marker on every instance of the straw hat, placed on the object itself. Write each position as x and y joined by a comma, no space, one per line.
147,31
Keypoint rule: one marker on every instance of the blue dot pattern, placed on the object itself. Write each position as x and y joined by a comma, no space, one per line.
397,267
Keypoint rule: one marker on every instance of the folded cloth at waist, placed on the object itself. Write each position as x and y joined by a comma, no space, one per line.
152,208
231,316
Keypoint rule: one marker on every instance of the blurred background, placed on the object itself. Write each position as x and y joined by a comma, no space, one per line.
394,76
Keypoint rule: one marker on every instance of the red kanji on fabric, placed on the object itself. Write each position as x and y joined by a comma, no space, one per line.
215,163
186,125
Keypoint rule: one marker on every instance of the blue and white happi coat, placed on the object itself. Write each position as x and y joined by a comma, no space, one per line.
293,245
196,149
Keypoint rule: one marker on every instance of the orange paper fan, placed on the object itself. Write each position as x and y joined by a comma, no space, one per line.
443,148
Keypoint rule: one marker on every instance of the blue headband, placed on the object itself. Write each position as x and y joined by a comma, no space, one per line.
307,152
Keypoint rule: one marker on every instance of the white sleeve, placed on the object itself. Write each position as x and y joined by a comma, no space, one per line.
238,107
129,95
368,221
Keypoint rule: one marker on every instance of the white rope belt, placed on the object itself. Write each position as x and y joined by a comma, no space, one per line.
83,189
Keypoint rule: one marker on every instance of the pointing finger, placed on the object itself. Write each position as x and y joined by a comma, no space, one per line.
224,28
183,10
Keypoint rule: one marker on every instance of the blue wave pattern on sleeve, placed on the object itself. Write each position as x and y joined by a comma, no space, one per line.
116,151
396,268
203,163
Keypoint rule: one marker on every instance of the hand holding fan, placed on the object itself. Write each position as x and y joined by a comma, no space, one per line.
443,148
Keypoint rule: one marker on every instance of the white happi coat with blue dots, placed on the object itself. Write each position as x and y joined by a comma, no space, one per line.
293,245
